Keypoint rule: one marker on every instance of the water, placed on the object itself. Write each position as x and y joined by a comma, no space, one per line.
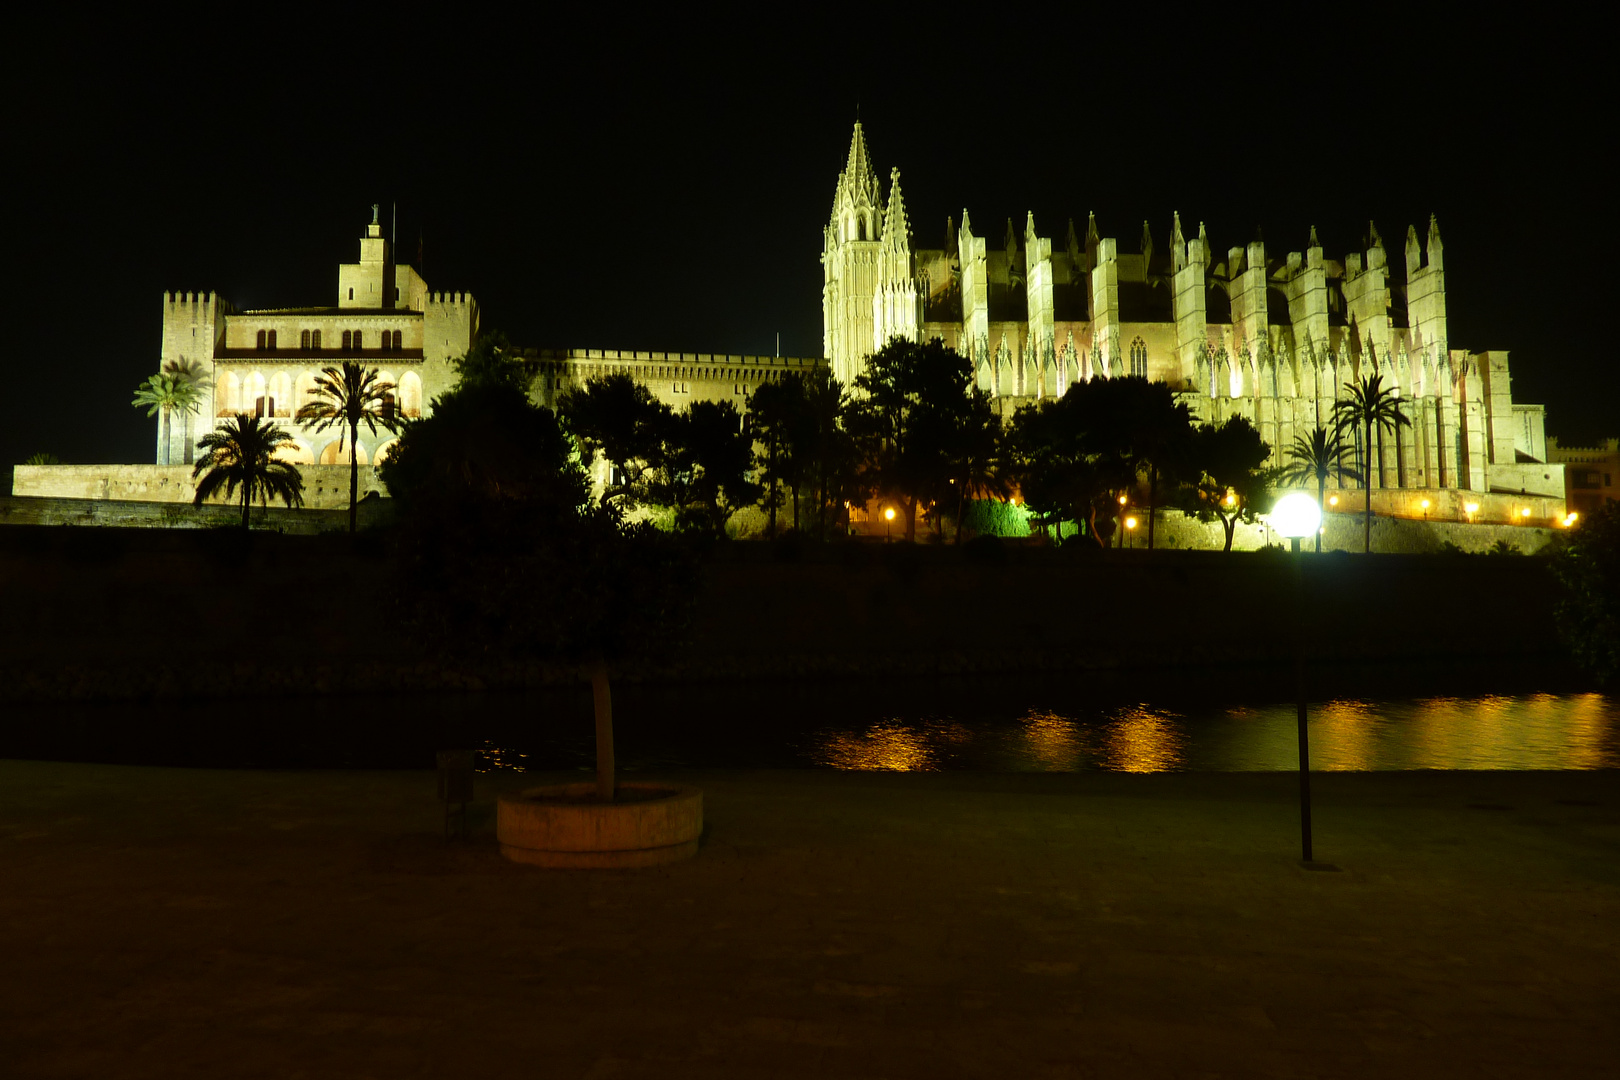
1017,724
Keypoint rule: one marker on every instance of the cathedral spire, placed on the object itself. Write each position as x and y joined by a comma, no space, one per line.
896,227
857,210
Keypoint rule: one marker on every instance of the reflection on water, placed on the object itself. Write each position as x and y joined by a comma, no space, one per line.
890,745
1538,731
1059,723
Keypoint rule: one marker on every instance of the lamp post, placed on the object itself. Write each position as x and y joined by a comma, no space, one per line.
1130,530
1296,516
888,520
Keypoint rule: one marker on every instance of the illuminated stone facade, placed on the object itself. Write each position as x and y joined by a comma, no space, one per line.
264,362
1236,333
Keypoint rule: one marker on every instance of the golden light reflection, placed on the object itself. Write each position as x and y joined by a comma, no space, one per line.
888,746
1344,736
1051,741
1141,739
491,758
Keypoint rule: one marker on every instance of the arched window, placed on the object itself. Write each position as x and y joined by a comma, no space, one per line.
399,339
264,336
1139,358
280,403
306,390
315,339
348,340
303,340
253,394
410,394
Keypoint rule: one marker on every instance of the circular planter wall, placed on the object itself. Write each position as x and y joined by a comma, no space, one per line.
563,825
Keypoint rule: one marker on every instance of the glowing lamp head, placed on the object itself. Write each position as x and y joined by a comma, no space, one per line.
1571,518
1425,504
888,515
1296,515
1130,523
1471,508
1525,512
1333,500
1122,500
1231,500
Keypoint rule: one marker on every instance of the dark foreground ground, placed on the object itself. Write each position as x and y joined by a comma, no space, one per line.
175,923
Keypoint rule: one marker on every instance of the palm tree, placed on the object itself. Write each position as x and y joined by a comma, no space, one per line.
241,454
1315,458
192,373
347,398
166,394
1369,405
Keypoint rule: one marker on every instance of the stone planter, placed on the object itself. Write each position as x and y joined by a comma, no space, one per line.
563,825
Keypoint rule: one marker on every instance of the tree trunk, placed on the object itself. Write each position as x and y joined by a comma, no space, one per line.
961,500
354,476
795,508
770,529
245,506
602,699
165,427
1366,487
1153,495
1321,502
911,519
1231,527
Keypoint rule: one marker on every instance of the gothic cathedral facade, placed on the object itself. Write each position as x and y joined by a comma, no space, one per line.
1275,340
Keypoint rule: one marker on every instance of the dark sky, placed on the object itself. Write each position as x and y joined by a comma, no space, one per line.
624,184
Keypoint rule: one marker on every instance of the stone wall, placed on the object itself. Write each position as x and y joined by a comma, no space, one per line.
130,514
326,487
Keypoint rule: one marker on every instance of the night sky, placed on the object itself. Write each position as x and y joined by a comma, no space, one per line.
638,186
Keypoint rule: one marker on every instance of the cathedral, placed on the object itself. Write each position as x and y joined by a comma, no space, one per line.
1274,340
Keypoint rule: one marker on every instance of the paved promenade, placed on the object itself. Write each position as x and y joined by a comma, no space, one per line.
170,923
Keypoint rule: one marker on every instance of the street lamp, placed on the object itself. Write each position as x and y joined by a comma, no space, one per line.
1425,509
888,520
1471,509
1130,525
1296,515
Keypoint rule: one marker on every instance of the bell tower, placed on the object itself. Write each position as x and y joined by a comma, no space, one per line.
850,254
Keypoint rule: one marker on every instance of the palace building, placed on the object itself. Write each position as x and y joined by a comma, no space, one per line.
1239,332
264,362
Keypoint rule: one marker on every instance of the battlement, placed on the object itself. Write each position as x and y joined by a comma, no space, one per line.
179,299
704,359
450,298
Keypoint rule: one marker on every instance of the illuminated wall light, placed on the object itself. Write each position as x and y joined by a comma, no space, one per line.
1525,512
1333,500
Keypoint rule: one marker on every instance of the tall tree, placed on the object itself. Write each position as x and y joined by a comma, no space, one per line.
240,454
493,361
703,467
1233,483
905,399
1314,458
833,453
1052,457
619,418
164,395
346,398
784,428
1369,406
975,455
1144,427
